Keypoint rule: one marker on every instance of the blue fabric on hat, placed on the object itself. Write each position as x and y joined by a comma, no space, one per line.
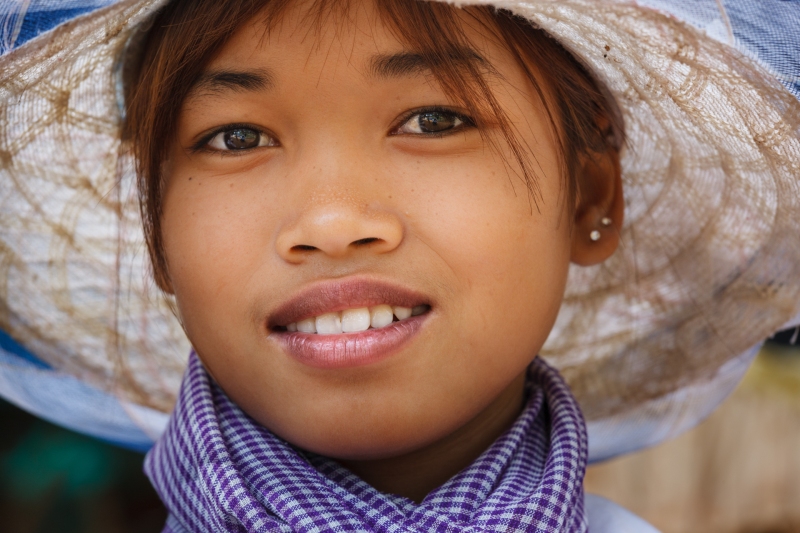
40,389
40,21
771,29
768,30
19,23
13,348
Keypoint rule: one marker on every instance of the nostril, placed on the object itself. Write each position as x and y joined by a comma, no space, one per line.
303,248
362,242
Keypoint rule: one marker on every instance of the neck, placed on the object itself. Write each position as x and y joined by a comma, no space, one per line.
415,474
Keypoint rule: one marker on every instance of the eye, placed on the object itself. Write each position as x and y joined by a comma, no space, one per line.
240,138
433,121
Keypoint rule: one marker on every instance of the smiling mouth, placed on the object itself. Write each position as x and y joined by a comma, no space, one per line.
346,323
354,320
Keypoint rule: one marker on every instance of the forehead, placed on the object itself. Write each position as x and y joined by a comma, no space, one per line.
387,40
298,28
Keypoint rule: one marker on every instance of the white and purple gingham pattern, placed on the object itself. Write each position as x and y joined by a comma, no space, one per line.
217,470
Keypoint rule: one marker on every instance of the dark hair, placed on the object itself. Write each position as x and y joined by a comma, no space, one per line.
186,34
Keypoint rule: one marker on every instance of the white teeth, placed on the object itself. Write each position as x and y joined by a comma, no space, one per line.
308,325
355,320
329,324
402,312
380,316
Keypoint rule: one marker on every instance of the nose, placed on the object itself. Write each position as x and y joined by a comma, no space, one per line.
338,227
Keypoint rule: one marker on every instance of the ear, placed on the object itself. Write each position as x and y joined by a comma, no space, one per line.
600,208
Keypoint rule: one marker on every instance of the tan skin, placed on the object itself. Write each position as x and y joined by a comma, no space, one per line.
339,164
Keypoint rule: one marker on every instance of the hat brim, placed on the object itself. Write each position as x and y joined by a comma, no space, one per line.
649,341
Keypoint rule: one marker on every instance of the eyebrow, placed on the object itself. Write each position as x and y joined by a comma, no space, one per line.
380,66
216,81
407,63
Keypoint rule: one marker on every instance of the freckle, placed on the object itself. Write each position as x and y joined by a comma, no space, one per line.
190,178
608,48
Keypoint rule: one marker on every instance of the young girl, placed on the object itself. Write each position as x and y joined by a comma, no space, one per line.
365,214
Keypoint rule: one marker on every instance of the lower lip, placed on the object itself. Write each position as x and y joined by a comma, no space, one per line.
349,349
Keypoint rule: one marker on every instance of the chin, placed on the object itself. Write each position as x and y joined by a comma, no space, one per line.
365,441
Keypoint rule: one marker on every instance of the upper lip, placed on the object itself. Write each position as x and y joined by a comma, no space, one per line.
332,296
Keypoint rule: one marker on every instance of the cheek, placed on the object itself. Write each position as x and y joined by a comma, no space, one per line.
216,234
506,258
509,255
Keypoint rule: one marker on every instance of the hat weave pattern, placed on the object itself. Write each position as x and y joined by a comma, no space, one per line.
708,265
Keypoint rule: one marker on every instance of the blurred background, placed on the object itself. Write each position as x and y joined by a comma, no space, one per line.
53,480
738,472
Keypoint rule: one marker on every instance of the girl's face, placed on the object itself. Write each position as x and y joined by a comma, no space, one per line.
319,173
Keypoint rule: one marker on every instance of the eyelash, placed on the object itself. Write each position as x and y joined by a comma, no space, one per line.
466,122
202,144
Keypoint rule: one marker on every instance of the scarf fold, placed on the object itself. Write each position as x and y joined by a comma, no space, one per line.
217,470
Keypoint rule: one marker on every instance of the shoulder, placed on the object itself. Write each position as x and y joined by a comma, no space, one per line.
605,516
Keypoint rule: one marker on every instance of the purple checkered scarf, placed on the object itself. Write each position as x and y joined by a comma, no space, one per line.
217,470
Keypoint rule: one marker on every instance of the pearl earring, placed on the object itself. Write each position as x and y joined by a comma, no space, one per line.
595,235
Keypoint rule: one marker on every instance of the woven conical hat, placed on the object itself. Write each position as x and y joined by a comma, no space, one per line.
650,341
